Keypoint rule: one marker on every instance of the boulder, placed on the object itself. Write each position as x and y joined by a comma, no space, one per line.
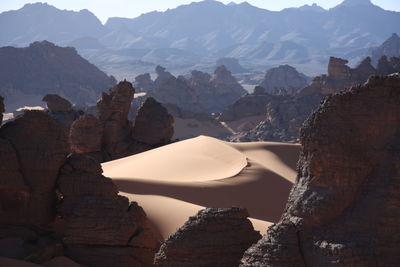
214,237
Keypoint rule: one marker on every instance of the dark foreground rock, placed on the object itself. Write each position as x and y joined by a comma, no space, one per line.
52,204
344,209
214,237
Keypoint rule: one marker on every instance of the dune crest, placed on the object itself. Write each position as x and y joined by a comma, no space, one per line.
175,181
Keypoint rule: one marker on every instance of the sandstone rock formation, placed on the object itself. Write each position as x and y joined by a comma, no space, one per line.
110,135
153,124
61,110
285,116
86,136
226,86
171,90
53,205
214,237
344,209
26,74
35,148
199,93
143,83
97,226
113,109
284,80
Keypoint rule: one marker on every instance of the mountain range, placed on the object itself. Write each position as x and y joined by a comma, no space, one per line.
196,35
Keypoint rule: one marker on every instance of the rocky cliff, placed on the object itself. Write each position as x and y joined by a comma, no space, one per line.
214,237
43,68
343,209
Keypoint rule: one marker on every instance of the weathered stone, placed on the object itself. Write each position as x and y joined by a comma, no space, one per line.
344,208
56,103
214,237
40,148
86,135
153,124
283,80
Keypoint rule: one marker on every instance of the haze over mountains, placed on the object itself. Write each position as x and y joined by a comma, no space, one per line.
194,36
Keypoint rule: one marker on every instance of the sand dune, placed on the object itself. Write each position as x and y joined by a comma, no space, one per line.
173,182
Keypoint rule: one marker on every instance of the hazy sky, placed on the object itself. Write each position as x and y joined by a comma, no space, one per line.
133,8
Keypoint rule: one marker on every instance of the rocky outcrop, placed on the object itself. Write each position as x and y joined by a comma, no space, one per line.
284,80
143,83
214,237
153,124
390,48
226,86
344,207
97,226
86,136
171,90
53,205
61,110
199,93
43,68
285,116
113,109
35,148
110,135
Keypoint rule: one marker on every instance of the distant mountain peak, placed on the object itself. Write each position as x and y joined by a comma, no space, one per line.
231,4
356,2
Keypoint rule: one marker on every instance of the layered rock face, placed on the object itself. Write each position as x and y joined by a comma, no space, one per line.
214,237
97,226
43,68
153,124
344,209
285,116
283,80
53,205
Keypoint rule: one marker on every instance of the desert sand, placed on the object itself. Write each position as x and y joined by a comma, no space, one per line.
173,182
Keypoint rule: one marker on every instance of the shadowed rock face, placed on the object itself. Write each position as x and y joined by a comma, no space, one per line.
61,110
214,237
153,124
344,208
283,80
99,227
35,147
51,204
